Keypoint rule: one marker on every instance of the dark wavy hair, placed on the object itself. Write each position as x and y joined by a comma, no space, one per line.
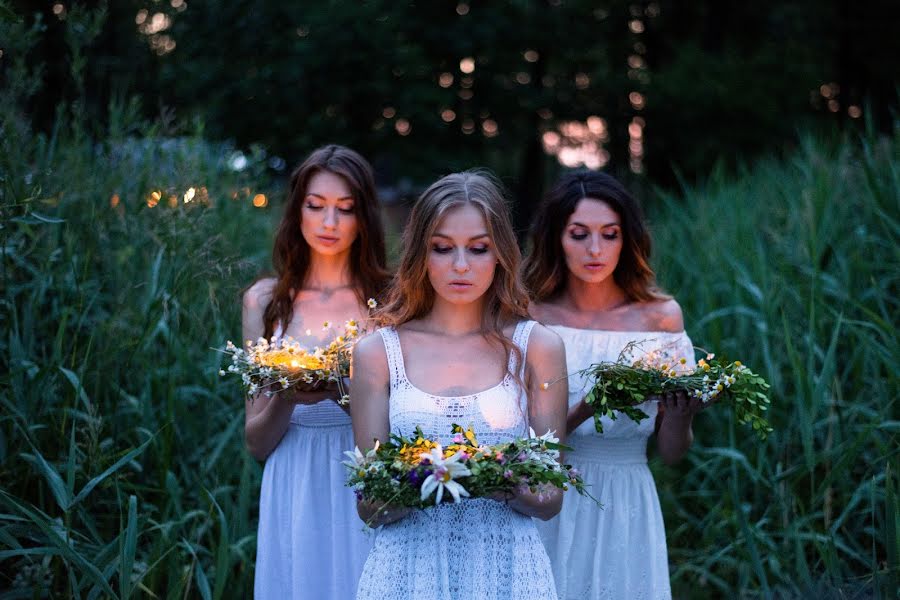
291,254
544,270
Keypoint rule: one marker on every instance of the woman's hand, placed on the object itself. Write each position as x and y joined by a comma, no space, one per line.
307,393
678,404
376,514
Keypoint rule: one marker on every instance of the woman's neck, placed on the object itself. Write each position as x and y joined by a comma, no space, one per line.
328,273
455,320
593,297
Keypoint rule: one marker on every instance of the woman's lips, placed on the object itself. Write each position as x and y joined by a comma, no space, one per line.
327,239
594,266
460,285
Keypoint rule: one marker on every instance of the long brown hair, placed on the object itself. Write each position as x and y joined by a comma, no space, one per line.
291,254
544,270
412,296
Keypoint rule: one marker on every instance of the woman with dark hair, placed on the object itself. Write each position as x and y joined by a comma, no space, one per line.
590,281
457,323
329,258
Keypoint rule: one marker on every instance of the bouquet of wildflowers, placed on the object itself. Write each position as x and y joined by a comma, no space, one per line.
417,472
269,365
620,386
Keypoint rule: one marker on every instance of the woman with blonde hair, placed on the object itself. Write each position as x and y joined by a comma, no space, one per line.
457,324
329,259
591,282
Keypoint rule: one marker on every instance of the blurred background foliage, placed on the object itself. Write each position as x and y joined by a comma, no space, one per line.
143,151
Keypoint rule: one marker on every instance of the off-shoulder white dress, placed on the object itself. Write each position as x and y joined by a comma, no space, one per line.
619,550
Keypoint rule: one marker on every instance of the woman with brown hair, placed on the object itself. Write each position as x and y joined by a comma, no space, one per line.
458,324
591,282
329,258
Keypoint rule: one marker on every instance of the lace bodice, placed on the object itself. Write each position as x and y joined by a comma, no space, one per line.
587,346
498,414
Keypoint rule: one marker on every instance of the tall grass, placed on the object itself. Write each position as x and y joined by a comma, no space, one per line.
793,268
122,472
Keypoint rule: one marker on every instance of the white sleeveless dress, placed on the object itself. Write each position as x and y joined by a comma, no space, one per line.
310,543
476,549
619,550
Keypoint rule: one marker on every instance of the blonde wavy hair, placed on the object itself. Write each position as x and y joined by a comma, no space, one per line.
411,295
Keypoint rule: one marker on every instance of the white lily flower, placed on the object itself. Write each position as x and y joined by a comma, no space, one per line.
445,470
356,458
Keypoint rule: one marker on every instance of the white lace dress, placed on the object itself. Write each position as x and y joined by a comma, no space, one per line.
619,550
310,542
477,549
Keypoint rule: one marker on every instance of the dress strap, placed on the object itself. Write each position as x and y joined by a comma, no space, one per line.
278,331
520,339
394,355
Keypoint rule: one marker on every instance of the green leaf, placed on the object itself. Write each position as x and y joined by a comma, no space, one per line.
34,218
90,485
54,480
128,549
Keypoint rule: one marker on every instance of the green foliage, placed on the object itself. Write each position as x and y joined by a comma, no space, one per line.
121,461
622,385
793,267
123,470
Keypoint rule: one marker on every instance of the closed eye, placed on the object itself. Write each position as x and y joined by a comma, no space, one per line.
441,249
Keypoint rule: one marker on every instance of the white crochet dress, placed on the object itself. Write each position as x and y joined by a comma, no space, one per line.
478,548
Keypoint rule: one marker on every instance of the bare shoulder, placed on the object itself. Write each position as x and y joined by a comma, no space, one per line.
370,356
258,295
664,315
544,344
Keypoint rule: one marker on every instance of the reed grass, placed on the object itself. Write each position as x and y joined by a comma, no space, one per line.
122,470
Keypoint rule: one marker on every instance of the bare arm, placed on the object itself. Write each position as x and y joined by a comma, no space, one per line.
267,418
369,411
546,361
577,415
674,434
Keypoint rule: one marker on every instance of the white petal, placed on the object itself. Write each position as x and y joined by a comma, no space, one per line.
456,490
428,485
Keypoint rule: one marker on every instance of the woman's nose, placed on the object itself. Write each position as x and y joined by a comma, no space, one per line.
460,264
330,221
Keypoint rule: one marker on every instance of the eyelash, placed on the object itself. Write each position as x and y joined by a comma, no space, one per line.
583,236
477,250
346,211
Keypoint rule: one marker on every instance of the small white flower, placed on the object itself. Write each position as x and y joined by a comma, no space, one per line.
371,303
309,332
326,326
442,477
221,373
284,382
